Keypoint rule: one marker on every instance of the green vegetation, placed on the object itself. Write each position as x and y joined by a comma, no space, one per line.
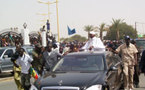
102,28
89,28
118,29
75,37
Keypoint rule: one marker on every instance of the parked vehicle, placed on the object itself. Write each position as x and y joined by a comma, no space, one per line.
140,43
5,57
82,71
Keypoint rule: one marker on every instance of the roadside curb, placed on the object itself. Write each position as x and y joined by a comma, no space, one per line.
6,79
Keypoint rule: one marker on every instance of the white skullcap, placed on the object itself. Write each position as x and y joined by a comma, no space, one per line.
92,32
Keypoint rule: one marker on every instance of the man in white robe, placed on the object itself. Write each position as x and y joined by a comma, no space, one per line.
94,43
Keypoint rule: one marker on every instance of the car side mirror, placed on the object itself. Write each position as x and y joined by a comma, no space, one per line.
113,68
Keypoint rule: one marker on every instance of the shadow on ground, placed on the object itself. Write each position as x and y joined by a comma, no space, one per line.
143,88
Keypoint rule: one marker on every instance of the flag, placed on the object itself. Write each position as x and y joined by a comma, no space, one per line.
33,73
70,32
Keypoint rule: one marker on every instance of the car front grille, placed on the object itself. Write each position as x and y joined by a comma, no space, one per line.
60,88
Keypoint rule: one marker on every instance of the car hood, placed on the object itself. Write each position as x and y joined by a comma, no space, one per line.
78,79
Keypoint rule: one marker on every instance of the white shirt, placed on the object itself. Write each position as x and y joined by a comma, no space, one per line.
96,43
25,63
55,53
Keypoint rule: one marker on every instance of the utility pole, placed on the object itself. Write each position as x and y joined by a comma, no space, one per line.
48,3
43,20
135,27
57,20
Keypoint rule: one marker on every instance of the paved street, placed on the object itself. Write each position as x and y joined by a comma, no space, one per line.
142,83
9,84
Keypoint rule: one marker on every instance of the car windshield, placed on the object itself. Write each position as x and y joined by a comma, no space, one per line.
80,63
140,44
1,51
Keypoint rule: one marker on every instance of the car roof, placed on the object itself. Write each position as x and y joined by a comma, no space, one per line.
87,53
140,39
13,47
7,47
28,46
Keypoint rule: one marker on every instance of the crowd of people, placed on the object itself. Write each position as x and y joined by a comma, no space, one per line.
44,58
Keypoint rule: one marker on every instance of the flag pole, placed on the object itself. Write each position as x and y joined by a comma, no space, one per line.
57,20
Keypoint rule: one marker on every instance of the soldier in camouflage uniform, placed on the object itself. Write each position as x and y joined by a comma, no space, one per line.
37,58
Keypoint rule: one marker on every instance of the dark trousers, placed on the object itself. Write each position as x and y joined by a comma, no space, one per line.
136,74
25,80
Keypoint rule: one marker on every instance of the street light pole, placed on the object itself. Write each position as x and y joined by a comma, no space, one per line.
48,3
57,20
135,27
56,14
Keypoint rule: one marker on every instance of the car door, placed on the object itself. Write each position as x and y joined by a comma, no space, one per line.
6,60
113,77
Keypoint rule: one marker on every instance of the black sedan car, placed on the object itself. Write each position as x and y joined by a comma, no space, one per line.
82,71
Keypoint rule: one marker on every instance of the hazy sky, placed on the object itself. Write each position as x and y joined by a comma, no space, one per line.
74,13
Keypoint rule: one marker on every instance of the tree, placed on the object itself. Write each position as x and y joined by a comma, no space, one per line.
116,24
102,28
124,29
89,28
75,38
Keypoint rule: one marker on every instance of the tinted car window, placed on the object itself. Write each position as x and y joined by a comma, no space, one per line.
80,63
140,44
1,51
9,53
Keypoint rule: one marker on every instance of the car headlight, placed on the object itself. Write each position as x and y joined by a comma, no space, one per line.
95,87
33,87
